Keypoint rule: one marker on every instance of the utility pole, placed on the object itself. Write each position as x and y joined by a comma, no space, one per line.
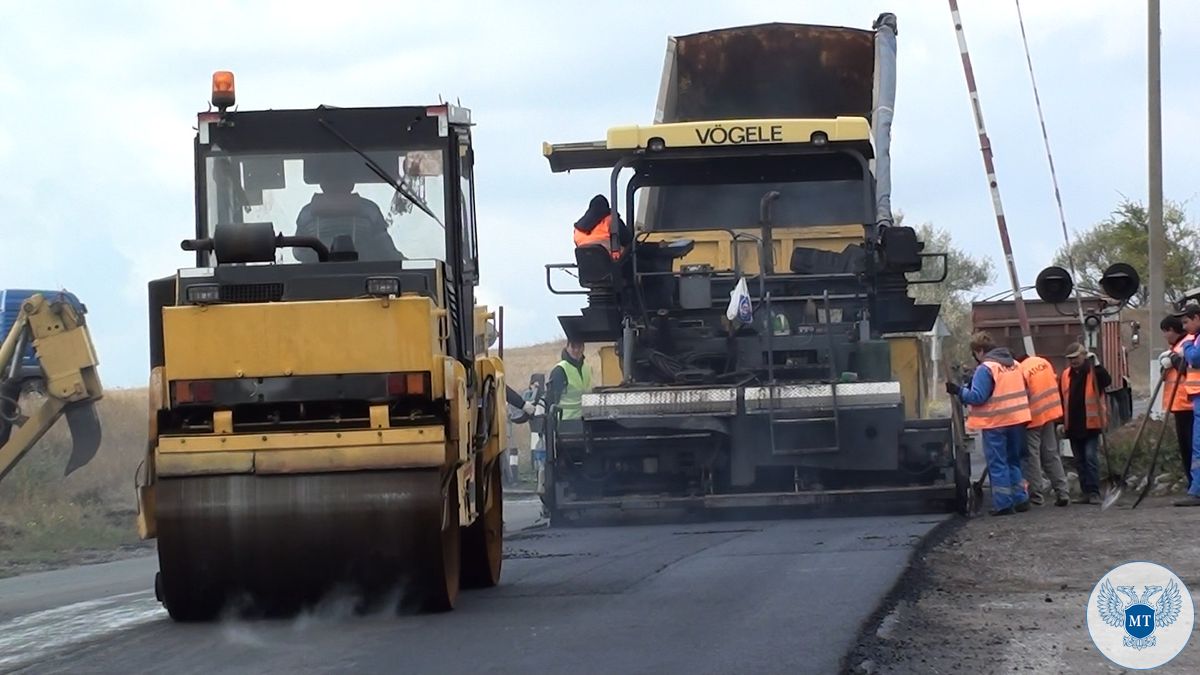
1158,242
985,147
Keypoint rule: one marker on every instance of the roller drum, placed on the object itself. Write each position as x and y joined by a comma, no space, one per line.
278,543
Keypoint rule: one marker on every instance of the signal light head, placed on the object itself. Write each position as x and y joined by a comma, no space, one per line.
1054,285
1120,281
223,95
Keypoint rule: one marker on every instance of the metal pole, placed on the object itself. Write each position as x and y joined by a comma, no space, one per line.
1158,244
985,147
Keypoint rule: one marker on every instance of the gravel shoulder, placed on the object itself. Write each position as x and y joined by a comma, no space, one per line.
1009,594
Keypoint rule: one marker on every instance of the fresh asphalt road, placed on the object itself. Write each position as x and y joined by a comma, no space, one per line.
731,597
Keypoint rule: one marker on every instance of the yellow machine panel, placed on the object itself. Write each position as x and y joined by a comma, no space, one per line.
301,452
716,247
739,132
909,369
306,338
610,366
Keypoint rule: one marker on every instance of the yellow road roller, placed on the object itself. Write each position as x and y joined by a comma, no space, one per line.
324,407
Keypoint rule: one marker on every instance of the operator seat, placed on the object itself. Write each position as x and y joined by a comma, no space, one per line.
597,269
335,214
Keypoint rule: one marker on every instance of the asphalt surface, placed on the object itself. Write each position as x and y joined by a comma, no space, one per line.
745,597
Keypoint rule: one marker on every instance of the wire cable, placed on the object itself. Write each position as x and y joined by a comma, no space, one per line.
1062,216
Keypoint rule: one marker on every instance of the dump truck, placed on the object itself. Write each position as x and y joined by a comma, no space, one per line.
325,408
48,370
767,168
1056,325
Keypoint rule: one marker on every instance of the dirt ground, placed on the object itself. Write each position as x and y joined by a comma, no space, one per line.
1009,594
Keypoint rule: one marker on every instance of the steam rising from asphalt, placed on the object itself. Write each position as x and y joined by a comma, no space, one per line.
341,604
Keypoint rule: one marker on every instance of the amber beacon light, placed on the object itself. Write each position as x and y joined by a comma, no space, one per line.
222,89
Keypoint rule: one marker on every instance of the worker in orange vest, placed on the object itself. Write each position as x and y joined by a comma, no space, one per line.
1041,440
1173,367
1191,381
999,408
595,227
1085,415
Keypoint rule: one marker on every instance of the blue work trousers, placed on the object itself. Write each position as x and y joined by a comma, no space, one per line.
1087,461
1194,489
1002,448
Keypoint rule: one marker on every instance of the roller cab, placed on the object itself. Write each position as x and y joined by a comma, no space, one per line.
323,397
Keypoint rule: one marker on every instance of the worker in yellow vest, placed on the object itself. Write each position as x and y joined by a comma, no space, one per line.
568,381
565,386
998,407
1041,439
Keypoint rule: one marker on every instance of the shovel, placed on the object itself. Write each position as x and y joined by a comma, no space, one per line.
1150,475
1117,486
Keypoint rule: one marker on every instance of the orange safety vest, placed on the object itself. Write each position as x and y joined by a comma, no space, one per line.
1180,402
1008,404
1045,404
600,234
1191,380
1095,407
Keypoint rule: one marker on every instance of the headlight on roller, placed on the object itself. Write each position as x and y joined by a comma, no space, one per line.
203,294
383,286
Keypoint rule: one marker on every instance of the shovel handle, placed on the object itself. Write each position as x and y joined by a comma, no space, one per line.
1162,430
1142,427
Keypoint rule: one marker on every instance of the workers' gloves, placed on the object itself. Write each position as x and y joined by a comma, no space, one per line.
953,389
1169,359
535,409
1093,358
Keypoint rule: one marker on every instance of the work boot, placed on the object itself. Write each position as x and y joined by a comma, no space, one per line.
1007,511
1037,499
1094,499
1022,507
1062,500
1190,500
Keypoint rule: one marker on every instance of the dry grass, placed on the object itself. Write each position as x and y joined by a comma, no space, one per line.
47,519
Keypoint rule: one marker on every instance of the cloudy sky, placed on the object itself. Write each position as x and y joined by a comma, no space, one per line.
96,126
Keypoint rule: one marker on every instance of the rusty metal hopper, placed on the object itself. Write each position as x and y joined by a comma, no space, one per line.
768,70
781,70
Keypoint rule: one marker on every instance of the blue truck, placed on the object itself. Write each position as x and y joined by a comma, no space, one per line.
10,307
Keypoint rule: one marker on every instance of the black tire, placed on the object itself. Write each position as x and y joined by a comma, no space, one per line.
483,540
962,481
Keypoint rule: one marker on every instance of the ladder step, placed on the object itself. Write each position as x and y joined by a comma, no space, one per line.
807,451
806,420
